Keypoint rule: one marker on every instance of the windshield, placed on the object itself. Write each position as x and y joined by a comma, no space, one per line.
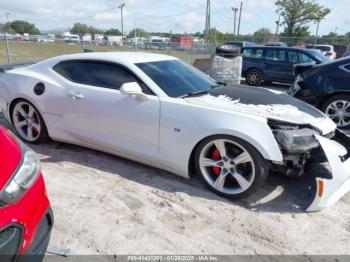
176,78
319,56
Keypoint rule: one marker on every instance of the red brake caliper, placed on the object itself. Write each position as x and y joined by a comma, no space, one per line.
216,156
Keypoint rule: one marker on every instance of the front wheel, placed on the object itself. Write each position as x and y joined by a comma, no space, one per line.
230,166
337,108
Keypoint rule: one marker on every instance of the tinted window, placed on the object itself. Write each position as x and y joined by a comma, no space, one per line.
176,78
293,57
253,53
95,73
275,55
305,58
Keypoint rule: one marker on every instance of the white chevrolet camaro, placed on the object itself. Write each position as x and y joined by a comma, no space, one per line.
160,111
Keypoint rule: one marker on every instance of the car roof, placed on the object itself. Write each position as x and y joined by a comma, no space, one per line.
277,47
118,57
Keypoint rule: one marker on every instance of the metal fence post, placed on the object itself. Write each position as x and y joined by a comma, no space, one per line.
7,41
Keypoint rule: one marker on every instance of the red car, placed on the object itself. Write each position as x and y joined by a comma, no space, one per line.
26,218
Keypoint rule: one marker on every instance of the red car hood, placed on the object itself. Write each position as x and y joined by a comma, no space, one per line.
10,156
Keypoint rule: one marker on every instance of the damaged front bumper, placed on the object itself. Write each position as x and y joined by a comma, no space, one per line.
330,190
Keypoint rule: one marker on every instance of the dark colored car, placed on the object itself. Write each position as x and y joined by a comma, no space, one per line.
340,50
327,87
275,64
26,218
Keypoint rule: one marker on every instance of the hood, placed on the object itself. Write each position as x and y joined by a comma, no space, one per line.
259,102
10,156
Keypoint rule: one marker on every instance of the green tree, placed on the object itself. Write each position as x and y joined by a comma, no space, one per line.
263,35
83,29
139,32
297,14
21,27
113,31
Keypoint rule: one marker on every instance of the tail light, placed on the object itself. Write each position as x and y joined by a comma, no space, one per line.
329,53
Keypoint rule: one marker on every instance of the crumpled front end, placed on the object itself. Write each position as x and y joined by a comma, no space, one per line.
322,157
330,190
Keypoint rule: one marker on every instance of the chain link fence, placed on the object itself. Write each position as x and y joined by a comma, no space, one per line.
28,50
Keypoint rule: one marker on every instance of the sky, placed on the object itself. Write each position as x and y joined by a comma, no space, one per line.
180,16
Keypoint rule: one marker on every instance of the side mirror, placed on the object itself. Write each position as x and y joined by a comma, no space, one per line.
132,88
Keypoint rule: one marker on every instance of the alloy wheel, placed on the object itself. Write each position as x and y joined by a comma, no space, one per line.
339,112
227,166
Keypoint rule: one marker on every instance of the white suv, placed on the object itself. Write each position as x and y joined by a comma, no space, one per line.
327,50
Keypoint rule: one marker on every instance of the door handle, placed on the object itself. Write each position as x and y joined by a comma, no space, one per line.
75,95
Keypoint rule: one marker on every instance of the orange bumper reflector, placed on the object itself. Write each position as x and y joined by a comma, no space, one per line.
320,188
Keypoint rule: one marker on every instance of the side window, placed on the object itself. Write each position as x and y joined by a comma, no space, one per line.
293,57
258,53
248,52
65,69
101,74
253,53
305,58
97,74
275,55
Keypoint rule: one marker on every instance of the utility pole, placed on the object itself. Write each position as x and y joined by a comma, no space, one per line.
240,17
6,38
207,22
318,26
235,19
121,7
278,23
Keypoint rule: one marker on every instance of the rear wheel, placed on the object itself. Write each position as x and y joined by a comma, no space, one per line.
254,77
338,109
230,167
28,122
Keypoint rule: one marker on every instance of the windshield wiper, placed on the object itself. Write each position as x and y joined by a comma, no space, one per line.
200,92
195,93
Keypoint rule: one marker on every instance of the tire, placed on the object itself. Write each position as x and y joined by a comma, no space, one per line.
253,77
337,108
223,174
28,122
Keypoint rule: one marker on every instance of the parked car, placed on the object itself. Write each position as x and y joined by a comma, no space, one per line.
327,87
275,64
327,50
26,218
340,50
240,44
160,111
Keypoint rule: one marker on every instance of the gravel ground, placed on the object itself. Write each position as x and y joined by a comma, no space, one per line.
104,204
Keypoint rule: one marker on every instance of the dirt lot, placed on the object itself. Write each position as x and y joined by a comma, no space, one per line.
104,204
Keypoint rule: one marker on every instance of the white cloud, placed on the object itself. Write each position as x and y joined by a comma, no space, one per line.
48,14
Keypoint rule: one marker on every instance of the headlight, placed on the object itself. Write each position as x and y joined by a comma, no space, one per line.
297,141
24,177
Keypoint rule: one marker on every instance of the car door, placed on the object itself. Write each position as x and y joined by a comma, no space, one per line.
96,113
276,64
293,59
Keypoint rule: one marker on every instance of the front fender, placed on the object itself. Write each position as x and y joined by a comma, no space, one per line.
183,126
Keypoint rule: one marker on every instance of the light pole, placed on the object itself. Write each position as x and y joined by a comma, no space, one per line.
239,19
278,23
235,10
318,26
121,7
